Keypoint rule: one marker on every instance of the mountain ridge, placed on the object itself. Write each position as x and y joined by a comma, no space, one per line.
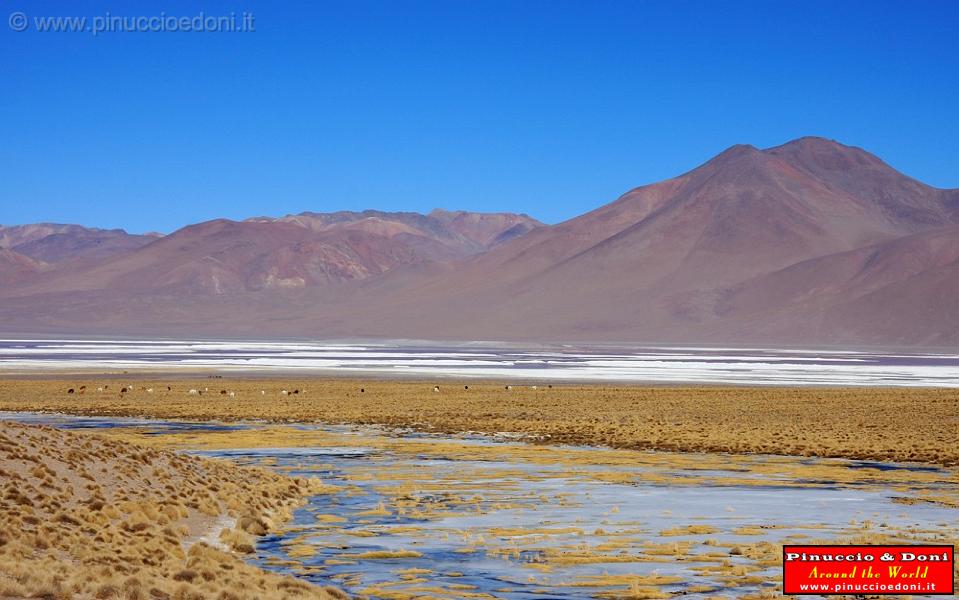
222,255
706,256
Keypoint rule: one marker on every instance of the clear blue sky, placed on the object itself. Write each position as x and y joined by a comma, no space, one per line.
550,108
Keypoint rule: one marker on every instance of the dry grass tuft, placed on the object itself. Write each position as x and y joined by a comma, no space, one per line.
131,532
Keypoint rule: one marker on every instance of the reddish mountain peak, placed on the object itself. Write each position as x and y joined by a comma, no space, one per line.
742,165
828,155
860,177
735,151
733,155
813,151
814,143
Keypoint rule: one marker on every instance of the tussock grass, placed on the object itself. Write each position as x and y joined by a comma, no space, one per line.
689,530
130,532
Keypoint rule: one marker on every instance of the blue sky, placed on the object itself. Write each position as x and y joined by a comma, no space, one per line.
550,108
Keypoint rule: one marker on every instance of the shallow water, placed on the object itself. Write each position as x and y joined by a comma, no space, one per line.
748,366
478,516
149,426
544,509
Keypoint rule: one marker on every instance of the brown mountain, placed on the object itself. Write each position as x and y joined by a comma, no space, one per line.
14,235
809,242
293,252
899,289
15,267
440,235
53,242
658,263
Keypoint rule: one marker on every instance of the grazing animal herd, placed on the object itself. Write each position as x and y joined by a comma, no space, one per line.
231,393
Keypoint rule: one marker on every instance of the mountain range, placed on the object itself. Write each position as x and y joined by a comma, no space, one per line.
807,243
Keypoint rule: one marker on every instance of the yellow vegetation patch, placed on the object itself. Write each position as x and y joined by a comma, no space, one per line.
884,424
301,551
330,519
518,532
84,515
413,571
689,530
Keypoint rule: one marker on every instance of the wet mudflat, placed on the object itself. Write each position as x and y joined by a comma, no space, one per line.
413,515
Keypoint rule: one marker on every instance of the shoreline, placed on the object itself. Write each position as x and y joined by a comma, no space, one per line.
874,424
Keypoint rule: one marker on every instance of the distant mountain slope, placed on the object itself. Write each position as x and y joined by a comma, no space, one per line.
462,232
14,235
87,244
656,264
54,243
810,242
15,267
899,289
293,252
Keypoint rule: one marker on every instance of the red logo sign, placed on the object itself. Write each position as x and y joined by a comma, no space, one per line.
872,570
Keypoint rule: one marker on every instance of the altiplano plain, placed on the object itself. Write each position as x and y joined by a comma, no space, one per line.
417,503
895,424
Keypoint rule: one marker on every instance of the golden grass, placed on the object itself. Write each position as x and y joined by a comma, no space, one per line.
885,424
89,517
689,530
916,425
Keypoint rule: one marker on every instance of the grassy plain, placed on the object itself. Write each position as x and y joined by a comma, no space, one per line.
174,506
882,424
